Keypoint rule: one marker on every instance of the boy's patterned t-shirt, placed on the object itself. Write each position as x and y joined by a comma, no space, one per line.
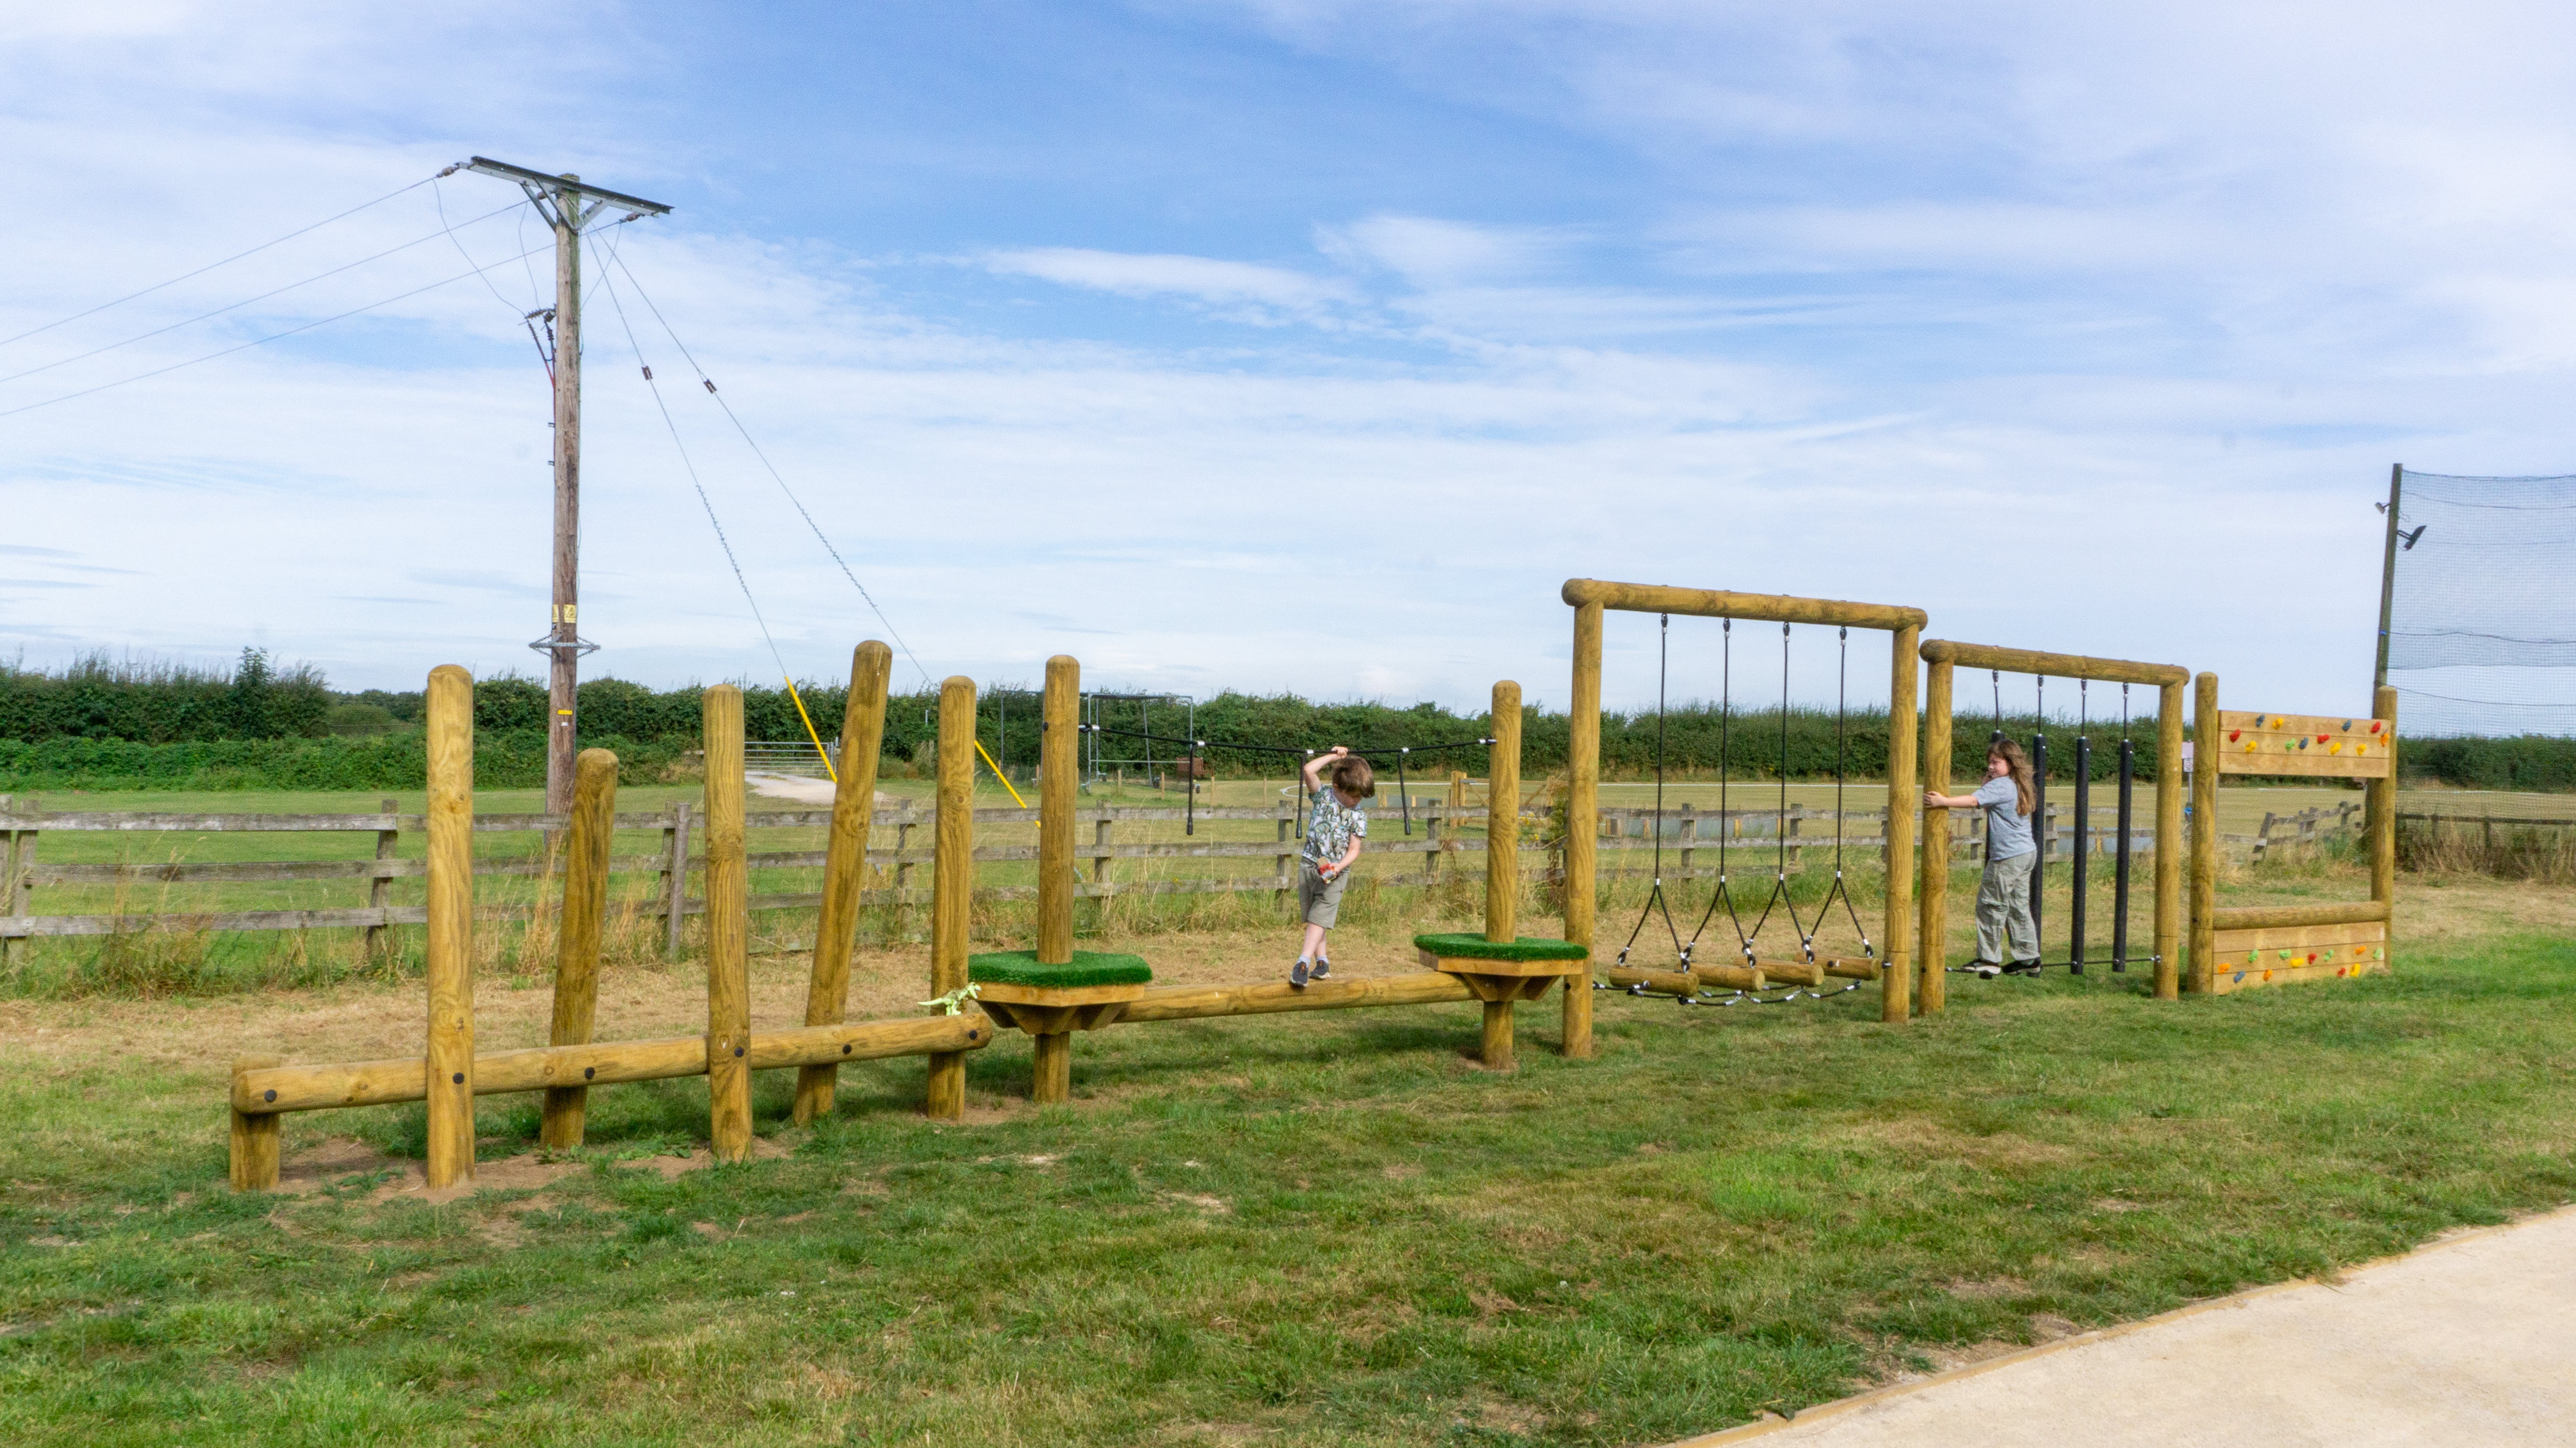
1331,826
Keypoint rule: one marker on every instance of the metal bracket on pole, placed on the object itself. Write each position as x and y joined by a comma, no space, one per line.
579,646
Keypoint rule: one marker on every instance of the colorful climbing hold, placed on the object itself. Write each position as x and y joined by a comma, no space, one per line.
2321,739
2235,734
2374,725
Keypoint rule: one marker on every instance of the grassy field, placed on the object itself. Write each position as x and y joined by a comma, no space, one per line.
1327,1230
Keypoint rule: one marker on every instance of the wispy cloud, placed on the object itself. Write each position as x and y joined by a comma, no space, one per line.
1198,278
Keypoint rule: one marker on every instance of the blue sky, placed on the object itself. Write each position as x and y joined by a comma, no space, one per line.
1287,346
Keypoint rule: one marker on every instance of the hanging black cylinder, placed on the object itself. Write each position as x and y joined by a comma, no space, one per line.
2083,847
2120,866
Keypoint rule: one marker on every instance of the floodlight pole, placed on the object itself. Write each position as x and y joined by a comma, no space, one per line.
2388,572
568,206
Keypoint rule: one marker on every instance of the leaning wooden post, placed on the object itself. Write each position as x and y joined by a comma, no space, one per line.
2205,740
2380,813
952,881
1931,937
1896,955
1582,819
728,930
2169,848
845,865
254,1137
1503,864
585,902
449,1062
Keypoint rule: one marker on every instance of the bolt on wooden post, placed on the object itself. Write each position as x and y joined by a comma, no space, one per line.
952,881
449,1063
728,930
845,864
585,903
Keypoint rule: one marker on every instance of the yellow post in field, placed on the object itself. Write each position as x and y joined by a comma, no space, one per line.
728,930
449,1063
845,865
585,903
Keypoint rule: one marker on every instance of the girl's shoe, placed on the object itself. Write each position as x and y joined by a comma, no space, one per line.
1298,975
1322,969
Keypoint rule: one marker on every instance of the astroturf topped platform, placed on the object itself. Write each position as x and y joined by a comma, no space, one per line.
1477,947
1088,968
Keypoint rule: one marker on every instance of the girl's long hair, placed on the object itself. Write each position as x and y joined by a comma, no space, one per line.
2019,764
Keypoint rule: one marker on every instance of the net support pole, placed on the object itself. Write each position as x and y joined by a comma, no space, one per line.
1056,800
2380,812
1932,939
952,882
2169,833
1896,953
2120,864
2204,831
2083,848
2388,573
1582,819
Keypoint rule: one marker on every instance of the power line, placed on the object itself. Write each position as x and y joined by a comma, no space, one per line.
704,501
227,261
256,342
237,306
438,196
819,535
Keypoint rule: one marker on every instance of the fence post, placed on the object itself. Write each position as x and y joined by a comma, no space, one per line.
1100,837
450,1063
381,885
1283,864
1690,832
585,901
675,879
254,1138
845,864
728,931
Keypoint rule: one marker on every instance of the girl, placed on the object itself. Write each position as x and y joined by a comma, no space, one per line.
2003,896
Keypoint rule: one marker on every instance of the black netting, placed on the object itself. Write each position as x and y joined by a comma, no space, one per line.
2482,621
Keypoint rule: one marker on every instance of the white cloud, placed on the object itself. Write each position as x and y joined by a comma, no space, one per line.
1201,278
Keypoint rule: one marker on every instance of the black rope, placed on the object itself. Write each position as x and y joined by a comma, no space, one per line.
1655,897
1842,694
1725,817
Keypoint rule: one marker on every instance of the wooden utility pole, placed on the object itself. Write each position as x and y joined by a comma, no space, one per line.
568,206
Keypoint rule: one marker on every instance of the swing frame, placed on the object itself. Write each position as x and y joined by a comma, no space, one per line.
1933,887
1590,598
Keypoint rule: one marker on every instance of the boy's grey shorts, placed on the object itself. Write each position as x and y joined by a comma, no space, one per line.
1319,900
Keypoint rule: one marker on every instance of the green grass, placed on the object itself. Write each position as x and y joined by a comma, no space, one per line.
1088,967
1324,1229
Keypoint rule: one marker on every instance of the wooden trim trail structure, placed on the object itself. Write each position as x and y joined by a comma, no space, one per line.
1590,598
1945,657
2255,945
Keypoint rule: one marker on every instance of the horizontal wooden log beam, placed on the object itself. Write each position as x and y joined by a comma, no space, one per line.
377,1083
2263,917
1711,603
2055,666
1196,1002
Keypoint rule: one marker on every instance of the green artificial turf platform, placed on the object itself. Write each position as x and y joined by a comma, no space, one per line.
1088,967
1477,947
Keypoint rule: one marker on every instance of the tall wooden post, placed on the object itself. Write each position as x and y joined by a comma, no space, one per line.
952,881
450,1057
2205,737
845,864
585,903
1059,769
2169,849
1932,936
1582,819
728,930
1896,952
2380,812
1503,819
563,648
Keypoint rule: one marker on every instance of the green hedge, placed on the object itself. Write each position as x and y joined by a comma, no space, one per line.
512,760
100,698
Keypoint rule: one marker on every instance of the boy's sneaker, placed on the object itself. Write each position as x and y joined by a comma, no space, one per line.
2022,967
1322,969
1985,969
1298,975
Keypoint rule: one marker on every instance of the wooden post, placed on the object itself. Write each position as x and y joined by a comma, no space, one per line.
1582,819
1283,866
254,1137
952,881
449,1061
1496,1049
2380,814
1503,819
845,864
1932,937
1051,1081
2169,841
380,937
728,930
1896,947
2206,737
675,880
585,902
1057,766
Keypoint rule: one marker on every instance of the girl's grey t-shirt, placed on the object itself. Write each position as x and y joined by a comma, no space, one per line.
2007,829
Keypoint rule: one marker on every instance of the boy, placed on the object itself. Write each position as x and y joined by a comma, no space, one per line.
1335,825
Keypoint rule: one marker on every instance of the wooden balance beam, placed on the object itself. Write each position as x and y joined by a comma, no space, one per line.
1762,975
